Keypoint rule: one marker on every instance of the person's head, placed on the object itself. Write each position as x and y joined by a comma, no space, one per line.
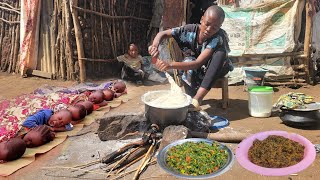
96,97
119,87
78,112
38,136
60,118
133,50
211,22
12,149
108,94
87,105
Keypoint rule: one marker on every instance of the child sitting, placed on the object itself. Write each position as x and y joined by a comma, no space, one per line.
132,65
12,149
59,121
38,136
78,112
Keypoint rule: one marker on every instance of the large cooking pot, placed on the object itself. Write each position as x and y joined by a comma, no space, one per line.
164,116
300,118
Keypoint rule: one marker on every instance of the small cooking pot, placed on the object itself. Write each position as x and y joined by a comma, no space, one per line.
300,118
164,116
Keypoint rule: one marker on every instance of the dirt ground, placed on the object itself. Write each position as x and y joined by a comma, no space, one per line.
86,148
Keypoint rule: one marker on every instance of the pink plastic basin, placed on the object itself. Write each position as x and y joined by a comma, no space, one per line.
243,148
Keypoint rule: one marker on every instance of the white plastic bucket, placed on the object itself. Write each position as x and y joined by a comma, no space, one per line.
260,101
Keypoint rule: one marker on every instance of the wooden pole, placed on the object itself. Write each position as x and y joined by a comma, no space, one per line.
62,40
16,43
69,54
109,16
79,40
1,36
236,3
16,48
307,39
12,29
57,41
8,59
53,37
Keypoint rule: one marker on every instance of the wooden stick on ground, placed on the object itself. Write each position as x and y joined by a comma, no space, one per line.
129,172
122,159
87,171
222,137
142,165
132,162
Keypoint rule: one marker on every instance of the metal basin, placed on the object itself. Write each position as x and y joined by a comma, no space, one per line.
162,156
164,116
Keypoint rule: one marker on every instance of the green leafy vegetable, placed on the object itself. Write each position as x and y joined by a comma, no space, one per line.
196,158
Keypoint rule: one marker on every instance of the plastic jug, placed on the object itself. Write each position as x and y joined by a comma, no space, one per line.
260,101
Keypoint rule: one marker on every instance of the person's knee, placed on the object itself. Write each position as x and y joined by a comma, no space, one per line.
219,55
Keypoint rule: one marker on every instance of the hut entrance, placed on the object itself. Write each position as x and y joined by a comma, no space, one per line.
197,8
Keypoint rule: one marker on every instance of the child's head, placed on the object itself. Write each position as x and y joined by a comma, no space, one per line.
60,118
133,50
96,97
119,87
211,22
108,94
38,136
87,105
12,149
78,112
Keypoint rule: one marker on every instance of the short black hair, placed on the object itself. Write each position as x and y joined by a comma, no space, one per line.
16,148
133,44
82,111
217,10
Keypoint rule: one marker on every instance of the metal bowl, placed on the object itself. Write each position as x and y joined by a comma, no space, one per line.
162,156
161,116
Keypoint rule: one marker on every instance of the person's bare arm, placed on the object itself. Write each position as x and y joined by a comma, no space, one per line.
202,59
153,49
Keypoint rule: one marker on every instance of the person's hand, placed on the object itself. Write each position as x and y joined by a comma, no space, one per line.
162,65
141,72
153,51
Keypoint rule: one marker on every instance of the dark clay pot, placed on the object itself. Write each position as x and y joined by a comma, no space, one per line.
300,118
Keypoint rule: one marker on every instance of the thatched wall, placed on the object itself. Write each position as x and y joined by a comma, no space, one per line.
9,35
107,27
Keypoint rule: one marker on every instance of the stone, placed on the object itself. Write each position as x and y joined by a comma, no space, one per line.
173,133
117,126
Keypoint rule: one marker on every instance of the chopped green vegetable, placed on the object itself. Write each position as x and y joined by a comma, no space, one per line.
196,158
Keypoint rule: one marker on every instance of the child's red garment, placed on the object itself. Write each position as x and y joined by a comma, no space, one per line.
96,106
